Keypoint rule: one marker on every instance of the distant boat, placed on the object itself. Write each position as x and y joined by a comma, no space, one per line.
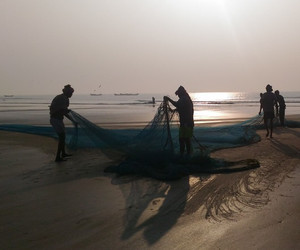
95,92
122,94
8,95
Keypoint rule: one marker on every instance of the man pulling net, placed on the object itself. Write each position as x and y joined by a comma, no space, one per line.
185,110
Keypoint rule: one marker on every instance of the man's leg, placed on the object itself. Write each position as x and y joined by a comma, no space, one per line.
281,117
60,147
63,150
182,145
188,146
266,126
271,128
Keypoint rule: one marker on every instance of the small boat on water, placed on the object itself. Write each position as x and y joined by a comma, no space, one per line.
8,95
126,94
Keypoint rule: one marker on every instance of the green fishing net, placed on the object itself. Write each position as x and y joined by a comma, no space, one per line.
154,150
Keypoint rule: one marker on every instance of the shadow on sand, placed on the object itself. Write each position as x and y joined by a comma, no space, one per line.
153,206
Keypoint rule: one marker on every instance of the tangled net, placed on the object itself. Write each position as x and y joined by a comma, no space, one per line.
154,150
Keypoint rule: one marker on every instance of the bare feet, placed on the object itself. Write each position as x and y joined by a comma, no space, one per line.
66,155
58,159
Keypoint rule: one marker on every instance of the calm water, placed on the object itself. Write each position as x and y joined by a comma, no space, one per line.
109,110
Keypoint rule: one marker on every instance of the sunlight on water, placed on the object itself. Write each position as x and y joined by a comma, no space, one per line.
205,105
208,114
204,115
209,107
215,96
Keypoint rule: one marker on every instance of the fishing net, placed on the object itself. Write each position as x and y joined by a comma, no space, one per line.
154,150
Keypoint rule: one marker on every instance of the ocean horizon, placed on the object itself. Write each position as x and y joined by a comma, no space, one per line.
138,110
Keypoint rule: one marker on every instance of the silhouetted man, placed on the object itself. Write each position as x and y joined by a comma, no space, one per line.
268,103
281,102
185,109
59,109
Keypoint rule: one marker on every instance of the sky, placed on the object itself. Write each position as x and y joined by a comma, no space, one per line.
149,46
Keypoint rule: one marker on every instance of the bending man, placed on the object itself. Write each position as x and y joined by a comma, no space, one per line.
59,109
185,109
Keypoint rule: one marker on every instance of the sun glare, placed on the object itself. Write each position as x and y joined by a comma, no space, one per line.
212,96
204,115
206,105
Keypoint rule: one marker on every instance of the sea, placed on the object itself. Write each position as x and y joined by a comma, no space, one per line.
109,110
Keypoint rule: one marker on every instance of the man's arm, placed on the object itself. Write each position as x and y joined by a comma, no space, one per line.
70,117
283,102
276,105
260,108
166,98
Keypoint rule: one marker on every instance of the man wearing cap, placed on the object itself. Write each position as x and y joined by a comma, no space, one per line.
59,109
268,103
186,119
281,102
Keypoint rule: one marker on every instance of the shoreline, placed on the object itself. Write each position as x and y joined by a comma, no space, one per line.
142,124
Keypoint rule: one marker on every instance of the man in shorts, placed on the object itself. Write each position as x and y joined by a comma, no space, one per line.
59,109
269,101
185,109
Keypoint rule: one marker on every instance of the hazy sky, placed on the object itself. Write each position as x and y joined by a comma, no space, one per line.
148,46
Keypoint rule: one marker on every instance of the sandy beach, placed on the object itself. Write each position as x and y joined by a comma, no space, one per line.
75,205
163,106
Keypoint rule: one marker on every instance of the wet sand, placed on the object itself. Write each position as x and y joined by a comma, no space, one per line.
75,205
